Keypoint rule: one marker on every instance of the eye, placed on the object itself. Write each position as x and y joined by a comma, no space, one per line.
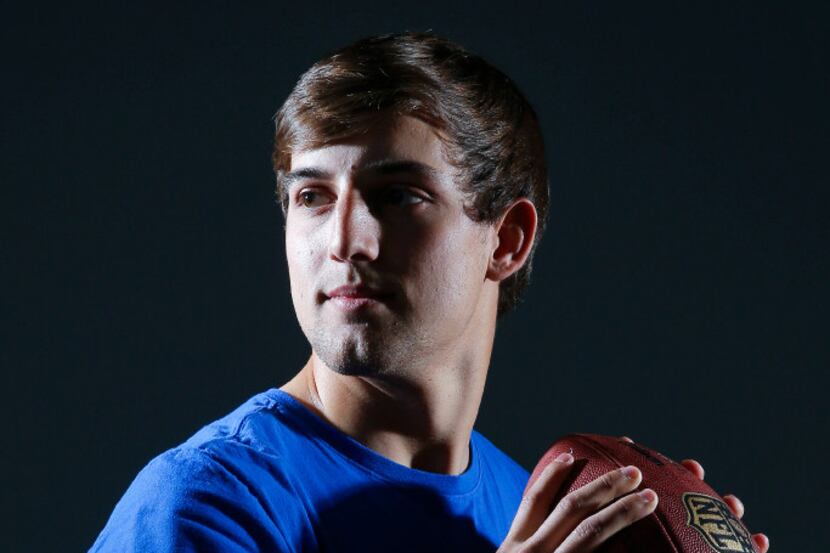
402,197
311,198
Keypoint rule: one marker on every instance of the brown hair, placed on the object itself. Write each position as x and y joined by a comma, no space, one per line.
493,134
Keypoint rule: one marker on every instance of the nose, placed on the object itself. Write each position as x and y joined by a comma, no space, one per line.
355,230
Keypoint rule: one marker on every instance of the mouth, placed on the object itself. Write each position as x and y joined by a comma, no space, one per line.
355,297
353,304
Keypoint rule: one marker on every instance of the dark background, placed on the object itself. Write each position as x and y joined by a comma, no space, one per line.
679,295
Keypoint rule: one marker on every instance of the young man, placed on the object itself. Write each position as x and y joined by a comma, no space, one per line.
412,178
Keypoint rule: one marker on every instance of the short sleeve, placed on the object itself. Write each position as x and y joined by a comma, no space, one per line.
185,500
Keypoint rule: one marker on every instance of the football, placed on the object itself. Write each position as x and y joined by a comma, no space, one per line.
690,516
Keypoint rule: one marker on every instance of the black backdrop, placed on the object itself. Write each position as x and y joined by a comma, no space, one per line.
679,295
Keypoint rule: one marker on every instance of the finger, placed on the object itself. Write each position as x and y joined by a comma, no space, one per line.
627,439
694,467
735,505
584,502
762,541
596,529
537,503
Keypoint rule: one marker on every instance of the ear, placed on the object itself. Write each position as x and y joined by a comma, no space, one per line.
515,232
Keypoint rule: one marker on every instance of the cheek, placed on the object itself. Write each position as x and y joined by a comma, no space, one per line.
300,255
453,271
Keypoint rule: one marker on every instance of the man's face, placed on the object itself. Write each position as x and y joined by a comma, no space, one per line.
386,269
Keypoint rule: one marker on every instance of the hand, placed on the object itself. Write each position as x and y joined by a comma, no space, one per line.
735,505
584,518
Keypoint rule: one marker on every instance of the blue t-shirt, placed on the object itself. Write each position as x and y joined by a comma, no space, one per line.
273,476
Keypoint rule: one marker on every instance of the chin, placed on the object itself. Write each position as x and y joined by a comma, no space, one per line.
351,355
365,349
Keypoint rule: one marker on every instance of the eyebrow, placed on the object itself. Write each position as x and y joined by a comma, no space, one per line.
289,179
379,167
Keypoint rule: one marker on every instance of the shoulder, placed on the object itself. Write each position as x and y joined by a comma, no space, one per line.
174,477
254,423
191,499
207,493
178,501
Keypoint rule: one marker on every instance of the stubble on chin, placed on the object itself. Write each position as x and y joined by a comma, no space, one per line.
363,350
348,357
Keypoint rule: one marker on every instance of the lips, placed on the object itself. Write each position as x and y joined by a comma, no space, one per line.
352,298
355,292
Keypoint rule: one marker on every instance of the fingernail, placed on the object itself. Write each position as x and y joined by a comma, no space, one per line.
647,495
630,472
565,458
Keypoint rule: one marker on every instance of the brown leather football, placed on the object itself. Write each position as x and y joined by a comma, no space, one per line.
690,516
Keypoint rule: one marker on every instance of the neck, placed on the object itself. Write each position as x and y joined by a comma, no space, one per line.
422,421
